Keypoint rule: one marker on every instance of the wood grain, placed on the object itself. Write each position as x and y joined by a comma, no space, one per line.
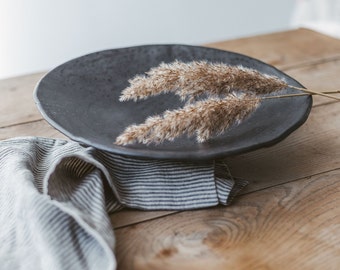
291,226
285,49
17,105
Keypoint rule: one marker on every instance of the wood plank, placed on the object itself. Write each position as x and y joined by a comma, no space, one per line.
38,128
285,49
17,105
291,226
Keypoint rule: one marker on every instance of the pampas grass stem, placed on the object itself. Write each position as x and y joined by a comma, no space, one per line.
313,92
299,94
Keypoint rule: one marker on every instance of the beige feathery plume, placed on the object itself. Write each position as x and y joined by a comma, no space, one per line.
204,118
200,77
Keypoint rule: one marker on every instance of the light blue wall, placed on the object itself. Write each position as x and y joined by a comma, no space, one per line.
39,34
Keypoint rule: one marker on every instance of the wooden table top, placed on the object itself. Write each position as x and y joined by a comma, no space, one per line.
287,218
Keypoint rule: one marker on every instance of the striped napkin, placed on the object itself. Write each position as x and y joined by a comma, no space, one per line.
55,197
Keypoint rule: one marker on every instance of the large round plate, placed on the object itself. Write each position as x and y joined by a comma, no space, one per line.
80,99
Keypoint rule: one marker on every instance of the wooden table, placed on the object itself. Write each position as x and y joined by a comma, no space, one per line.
287,218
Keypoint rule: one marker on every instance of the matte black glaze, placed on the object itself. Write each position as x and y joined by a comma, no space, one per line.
80,99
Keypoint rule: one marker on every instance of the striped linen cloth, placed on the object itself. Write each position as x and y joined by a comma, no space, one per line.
55,197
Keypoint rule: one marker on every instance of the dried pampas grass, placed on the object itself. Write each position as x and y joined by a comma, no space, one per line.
190,80
200,77
204,119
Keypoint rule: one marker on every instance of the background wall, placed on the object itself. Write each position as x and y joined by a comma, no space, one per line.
36,35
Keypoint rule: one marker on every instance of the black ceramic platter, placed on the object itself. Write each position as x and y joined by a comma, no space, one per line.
80,98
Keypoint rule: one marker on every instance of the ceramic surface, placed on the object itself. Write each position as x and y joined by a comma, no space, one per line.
80,99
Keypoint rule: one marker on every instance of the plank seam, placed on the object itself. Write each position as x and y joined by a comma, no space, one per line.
22,123
176,212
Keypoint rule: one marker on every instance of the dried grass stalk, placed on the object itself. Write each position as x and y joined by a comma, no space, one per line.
200,77
204,119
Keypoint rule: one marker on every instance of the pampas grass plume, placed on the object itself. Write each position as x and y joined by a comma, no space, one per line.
204,119
200,77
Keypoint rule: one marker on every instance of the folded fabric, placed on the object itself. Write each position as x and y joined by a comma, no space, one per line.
55,197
